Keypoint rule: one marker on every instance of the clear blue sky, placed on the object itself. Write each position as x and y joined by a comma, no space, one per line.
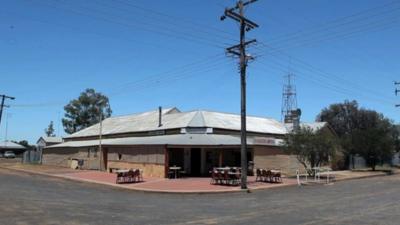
144,53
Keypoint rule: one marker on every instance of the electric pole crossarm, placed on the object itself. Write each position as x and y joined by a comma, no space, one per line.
235,50
247,57
239,45
239,18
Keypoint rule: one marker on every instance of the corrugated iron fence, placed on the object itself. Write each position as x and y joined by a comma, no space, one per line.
32,156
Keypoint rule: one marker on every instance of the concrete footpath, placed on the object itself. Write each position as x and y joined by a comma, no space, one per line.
161,185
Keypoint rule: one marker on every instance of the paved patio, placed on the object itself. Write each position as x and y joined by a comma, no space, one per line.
182,185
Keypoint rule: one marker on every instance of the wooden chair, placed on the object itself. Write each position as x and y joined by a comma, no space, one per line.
226,177
258,175
120,178
136,175
171,174
214,177
130,176
264,175
276,176
237,178
182,173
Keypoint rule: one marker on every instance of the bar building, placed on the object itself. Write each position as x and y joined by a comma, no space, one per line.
196,141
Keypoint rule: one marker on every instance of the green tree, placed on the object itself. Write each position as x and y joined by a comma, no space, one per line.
343,119
361,131
23,143
49,131
85,111
375,138
312,148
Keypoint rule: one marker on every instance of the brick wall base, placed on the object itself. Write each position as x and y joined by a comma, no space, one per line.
267,157
149,169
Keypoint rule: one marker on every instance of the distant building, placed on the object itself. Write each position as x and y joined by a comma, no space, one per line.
196,141
11,146
45,141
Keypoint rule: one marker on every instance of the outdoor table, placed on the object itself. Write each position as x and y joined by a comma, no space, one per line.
122,171
223,168
175,169
234,173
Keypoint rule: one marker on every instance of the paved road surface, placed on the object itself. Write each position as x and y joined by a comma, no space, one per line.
34,199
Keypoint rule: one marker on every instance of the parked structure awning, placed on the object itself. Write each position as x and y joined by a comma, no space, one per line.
176,139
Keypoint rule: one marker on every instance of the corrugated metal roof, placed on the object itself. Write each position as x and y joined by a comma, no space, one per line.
232,122
173,118
52,139
176,139
10,145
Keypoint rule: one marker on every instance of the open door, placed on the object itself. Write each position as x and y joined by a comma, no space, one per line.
195,162
105,159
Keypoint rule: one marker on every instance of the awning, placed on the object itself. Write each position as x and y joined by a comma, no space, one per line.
175,139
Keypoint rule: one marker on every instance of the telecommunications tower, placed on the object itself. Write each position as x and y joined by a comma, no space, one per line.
289,112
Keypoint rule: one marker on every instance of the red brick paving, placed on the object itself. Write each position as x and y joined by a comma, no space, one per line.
183,185
173,185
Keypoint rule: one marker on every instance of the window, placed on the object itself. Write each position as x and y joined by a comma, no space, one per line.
93,151
119,156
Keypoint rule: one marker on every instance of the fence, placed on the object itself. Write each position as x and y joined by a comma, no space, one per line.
32,156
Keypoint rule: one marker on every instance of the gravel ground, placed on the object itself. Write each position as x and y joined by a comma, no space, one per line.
35,199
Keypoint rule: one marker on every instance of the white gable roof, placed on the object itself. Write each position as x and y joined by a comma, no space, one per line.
173,118
10,145
51,139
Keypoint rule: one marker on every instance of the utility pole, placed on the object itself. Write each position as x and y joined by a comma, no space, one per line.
239,50
7,119
101,158
3,98
100,146
396,91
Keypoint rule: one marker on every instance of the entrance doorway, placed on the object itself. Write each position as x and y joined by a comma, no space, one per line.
195,162
105,159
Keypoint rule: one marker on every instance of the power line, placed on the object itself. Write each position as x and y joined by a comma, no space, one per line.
156,80
167,80
377,26
326,75
92,13
327,85
361,57
363,16
182,20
